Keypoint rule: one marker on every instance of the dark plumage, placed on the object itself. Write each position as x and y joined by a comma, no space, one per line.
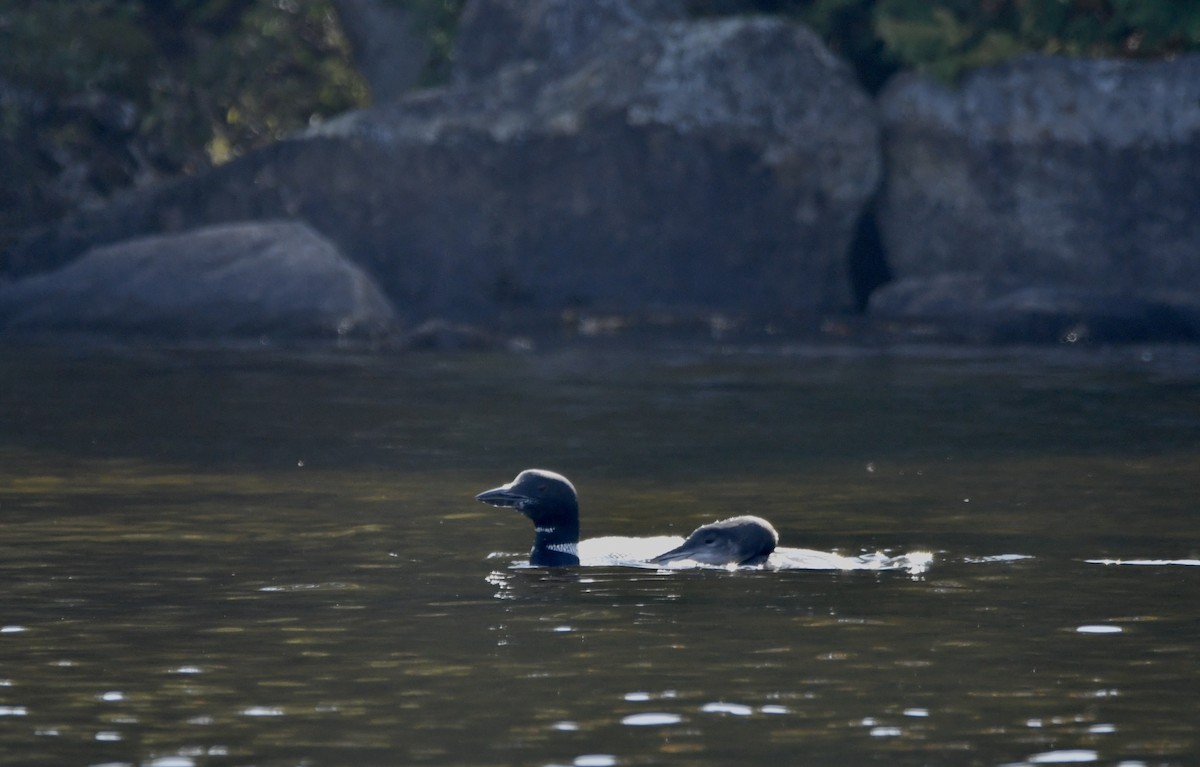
550,501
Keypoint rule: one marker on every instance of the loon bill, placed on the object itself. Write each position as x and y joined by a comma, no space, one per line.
550,501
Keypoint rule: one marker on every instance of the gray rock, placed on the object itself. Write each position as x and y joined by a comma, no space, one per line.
439,335
1069,172
711,165
388,49
495,33
971,307
276,278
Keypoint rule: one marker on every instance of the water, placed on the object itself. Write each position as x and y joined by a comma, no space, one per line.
274,558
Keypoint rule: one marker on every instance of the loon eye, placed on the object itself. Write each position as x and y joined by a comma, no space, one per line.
710,540
542,487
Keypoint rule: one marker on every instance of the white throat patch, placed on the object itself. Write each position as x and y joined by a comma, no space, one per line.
565,548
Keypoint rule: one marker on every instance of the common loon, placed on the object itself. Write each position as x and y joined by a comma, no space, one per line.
744,540
550,500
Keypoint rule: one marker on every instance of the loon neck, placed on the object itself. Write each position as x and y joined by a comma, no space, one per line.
555,545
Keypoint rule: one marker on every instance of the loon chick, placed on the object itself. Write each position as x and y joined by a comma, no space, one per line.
549,500
735,541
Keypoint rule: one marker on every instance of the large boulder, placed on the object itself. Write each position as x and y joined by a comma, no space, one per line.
707,165
1074,177
273,278
973,308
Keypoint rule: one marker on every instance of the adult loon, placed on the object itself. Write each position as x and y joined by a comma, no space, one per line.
550,501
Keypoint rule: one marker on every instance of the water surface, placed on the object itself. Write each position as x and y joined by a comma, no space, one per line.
274,558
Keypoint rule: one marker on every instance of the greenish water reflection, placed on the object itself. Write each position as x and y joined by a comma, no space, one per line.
230,559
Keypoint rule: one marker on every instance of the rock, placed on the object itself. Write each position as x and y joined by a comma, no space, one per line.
713,166
439,335
967,307
1078,173
388,49
273,278
495,33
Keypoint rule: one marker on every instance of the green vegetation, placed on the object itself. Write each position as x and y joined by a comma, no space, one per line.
946,37
438,19
205,79
99,95
950,36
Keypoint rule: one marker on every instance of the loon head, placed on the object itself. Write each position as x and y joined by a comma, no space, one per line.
734,541
549,500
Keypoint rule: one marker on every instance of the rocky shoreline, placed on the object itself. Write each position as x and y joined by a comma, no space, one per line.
649,165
